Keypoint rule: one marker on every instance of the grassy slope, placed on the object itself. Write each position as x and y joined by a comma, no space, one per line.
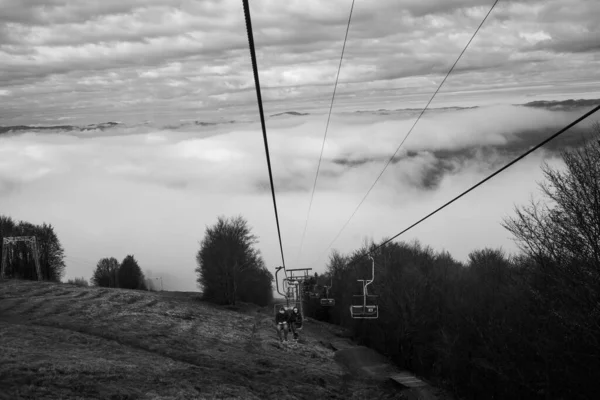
67,342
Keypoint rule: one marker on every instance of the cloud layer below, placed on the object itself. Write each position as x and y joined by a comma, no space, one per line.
151,191
184,144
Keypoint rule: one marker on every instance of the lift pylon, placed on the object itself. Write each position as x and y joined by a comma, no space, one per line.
32,242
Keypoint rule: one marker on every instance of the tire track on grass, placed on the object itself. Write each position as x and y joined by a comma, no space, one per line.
94,332
207,364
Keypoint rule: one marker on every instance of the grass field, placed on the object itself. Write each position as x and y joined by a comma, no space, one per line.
60,341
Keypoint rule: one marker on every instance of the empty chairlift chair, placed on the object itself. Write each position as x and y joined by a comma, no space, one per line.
327,301
367,308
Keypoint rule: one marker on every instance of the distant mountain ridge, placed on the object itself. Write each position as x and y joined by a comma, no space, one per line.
101,126
386,111
21,128
186,124
551,105
296,113
562,105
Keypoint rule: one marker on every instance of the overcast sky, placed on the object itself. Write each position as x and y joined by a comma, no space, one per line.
150,186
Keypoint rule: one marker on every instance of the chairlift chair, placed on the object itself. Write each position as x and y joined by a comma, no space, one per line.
366,310
291,287
327,301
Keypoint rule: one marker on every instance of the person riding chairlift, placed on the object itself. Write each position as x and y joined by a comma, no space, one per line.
295,321
281,322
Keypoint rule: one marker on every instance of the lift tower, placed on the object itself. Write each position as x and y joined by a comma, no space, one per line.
12,240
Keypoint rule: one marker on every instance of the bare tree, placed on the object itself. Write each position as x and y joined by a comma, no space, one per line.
561,239
563,234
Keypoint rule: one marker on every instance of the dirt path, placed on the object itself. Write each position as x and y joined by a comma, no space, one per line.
366,362
369,364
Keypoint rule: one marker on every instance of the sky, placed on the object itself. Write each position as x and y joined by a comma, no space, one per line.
177,77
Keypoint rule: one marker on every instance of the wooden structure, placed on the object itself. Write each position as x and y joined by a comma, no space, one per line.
408,380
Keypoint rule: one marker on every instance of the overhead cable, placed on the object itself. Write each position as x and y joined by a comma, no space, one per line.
578,120
411,129
326,128
262,116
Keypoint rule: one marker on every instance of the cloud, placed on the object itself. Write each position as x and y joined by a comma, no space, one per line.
150,192
119,57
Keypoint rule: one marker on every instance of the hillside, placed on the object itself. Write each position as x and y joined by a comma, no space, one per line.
68,342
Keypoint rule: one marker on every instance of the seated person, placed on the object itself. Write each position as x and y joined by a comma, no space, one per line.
281,322
295,321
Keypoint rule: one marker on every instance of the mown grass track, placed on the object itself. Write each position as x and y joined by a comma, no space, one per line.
67,342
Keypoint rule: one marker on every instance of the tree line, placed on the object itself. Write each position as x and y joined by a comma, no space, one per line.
498,325
20,263
125,275
230,267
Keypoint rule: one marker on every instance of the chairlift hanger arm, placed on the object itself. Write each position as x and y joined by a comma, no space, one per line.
277,281
367,282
